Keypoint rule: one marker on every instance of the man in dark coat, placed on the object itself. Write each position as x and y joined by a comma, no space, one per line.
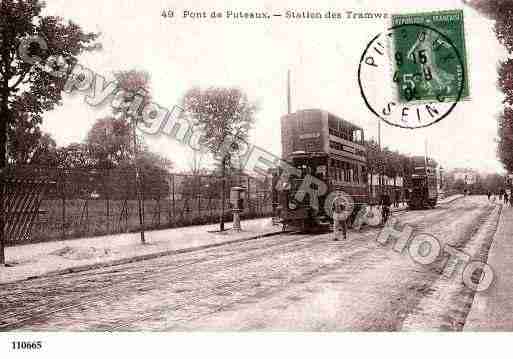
385,203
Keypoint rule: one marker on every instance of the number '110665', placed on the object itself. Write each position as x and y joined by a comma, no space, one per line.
19,345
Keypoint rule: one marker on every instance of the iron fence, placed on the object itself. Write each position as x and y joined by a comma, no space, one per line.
91,202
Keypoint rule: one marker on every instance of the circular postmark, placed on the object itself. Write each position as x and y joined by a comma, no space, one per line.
411,76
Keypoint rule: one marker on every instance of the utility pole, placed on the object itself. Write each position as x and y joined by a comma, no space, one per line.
3,209
137,184
4,117
289,105
426,156
223,192
382,168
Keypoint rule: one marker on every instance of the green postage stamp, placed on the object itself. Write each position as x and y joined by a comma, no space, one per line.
429,56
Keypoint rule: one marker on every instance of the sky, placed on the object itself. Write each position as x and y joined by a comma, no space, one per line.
322,55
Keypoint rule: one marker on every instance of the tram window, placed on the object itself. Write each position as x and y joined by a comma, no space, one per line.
357,136
305,170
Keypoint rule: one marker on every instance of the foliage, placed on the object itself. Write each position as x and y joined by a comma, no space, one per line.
108,142
27,91
133,83
386,162
223,115
374,158
505,143
29,145
502,12
75,156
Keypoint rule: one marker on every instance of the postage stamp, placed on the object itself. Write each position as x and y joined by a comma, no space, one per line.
423,57
413,74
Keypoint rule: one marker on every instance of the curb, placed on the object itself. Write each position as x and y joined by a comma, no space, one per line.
140,258
143,257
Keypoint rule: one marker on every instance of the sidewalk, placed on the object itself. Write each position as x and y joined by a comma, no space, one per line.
492,310
74,255
59,257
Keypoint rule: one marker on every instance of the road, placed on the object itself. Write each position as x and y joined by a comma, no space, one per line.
285,282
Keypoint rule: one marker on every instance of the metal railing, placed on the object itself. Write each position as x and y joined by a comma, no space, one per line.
91,202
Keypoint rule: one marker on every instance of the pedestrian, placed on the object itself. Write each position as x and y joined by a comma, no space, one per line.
339,221
396,199
500,194
489,195
506,198
385,207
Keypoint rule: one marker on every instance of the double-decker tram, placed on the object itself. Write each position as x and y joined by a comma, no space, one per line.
320,144
423,185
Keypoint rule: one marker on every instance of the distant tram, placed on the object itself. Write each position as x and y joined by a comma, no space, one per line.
329,148
423,185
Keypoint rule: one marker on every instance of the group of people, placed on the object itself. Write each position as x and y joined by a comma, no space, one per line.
503,196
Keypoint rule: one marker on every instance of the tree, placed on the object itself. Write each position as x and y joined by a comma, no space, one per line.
28,144
505,140
374,161
225,116
133,83
108,142
27,88
75,156
502,12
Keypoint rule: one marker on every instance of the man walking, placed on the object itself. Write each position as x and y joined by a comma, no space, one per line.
506,198
339,221
385,207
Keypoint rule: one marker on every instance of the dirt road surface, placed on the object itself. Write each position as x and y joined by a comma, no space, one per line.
288,282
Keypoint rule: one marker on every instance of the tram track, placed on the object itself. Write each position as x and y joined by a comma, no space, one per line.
175,271
182,269
319,271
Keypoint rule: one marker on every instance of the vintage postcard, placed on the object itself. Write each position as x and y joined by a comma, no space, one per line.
256,167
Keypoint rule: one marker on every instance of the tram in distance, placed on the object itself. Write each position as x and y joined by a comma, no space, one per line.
422,189
332,150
